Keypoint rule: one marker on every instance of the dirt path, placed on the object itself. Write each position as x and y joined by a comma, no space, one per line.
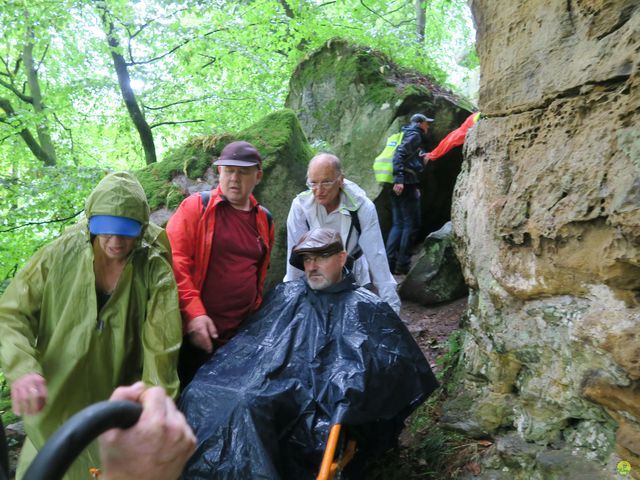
431,326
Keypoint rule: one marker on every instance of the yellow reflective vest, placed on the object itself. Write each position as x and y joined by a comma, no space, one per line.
383,164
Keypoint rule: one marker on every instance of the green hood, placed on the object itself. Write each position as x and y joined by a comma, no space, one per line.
121,195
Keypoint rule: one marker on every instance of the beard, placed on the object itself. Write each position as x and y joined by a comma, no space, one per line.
318,282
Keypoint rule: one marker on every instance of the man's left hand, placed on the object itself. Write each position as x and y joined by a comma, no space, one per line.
29,394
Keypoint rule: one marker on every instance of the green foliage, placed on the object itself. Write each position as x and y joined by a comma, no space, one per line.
271,134
430,453
36,204
198,69
449,364
7,415
220,65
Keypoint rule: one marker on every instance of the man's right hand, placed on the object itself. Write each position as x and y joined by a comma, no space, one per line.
157,446
29,394
398,188
201,330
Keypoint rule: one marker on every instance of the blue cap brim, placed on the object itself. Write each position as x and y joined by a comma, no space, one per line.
112,225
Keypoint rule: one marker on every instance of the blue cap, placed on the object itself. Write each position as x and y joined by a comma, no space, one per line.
112,225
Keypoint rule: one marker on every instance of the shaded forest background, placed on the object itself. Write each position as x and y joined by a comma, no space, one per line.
91,86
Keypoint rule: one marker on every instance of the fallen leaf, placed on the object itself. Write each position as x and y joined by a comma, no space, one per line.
473,467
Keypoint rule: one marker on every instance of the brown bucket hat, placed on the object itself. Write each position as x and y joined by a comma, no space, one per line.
316,241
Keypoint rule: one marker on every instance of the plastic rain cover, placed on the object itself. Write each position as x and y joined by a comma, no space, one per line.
263,405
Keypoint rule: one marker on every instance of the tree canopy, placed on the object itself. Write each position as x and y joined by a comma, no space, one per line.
88,86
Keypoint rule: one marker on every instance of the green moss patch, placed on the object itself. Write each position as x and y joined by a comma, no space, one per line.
276,136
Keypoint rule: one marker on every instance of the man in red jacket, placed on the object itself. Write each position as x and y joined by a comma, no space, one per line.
221,242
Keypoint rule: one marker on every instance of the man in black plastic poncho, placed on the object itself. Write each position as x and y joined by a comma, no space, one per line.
320,351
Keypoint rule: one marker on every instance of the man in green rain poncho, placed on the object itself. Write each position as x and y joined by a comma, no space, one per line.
94,309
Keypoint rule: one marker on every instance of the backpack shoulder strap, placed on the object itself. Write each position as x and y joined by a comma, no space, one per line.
269,216
205,197
355,221
355,225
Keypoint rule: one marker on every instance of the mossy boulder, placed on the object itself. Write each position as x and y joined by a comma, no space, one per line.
437,276
350,98
187,169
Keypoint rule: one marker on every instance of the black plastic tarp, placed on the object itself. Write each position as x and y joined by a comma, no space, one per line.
263,405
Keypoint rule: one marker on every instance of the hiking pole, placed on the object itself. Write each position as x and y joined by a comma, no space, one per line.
72,438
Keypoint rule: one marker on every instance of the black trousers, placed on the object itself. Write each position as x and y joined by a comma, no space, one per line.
190,360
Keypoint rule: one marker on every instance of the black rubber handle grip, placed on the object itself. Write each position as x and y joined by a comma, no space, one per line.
72,438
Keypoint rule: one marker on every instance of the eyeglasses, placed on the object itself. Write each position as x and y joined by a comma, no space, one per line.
324,184
322,258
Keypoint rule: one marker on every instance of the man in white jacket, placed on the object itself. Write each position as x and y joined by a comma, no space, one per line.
337,203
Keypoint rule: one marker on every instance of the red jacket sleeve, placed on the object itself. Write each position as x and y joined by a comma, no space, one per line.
182,230
454,138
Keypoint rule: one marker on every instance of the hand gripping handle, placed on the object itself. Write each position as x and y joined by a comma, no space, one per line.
72,438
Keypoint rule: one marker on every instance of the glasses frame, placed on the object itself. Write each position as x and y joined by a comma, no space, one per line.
324,185
320,258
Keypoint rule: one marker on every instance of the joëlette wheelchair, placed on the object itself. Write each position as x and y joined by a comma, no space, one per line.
71,439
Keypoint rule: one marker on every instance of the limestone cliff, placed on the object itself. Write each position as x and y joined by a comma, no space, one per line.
547,216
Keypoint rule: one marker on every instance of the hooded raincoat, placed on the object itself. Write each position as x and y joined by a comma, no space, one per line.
49,323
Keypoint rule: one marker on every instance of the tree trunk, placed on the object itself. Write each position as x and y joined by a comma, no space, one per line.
287,9
129,97
420,20
28,138
38,106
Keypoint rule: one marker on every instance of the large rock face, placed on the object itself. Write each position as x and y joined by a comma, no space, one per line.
349,99
547,212
285,154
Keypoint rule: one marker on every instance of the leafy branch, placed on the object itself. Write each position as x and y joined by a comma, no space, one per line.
176,123
44,222
16,92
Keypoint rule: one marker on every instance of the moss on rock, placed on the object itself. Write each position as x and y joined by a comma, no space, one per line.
285,152
191,160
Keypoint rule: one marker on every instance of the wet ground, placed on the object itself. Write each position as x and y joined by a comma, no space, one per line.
431,326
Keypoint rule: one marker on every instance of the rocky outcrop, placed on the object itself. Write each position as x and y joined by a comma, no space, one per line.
349,99
436,276
547,213
285,154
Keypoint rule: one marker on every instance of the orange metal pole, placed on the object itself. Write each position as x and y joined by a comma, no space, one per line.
326,472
